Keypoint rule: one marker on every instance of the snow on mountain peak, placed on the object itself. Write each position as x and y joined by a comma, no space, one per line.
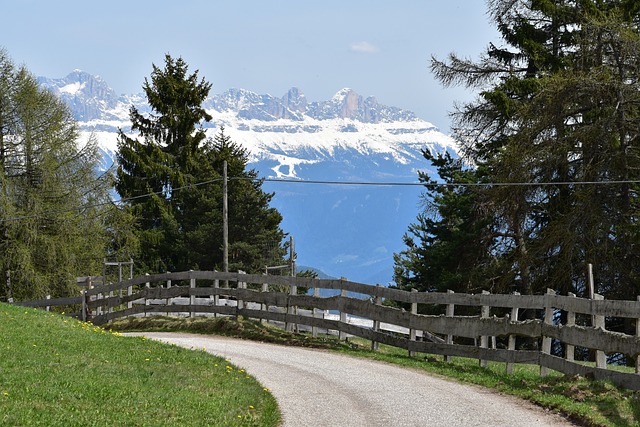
342,94
72,88
345,138
289,130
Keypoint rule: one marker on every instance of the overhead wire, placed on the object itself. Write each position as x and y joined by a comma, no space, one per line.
325,182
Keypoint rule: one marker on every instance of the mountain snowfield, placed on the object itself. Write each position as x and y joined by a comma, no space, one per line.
345,230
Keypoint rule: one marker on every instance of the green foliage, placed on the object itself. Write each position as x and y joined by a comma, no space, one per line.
446,247
52,204
584,401
172,179
557,108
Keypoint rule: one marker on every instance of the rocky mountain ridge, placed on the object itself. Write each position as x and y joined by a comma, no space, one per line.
346,230
90,98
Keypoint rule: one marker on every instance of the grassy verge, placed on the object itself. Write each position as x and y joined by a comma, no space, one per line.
589,403
586,402
56,371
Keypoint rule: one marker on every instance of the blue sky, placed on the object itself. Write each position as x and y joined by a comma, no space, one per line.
378,48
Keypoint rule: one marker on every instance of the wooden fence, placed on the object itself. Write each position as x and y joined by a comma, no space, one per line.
484,336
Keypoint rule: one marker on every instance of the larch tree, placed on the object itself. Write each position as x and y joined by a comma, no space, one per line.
52,199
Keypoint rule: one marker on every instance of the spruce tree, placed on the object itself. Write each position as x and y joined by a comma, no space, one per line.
153,169
255,235
171,177
447,245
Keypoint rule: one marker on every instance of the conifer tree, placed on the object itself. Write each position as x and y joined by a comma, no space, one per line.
51,201
253,225
557,109
172,178
163,160
447,246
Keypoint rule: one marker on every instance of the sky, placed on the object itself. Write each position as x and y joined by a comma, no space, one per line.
379,48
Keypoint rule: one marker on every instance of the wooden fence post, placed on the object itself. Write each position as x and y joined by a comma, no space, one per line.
147,302
48,308
216,297
450,312
569,349
412,332
110,304
484,339
548,320
598,323
638,335
515,312
240,302
376,323
168,300
89,285
99,296
83,315
314,329
192,298
293,290
343,316
263,306
129,293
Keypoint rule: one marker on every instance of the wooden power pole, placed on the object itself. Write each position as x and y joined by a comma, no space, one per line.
225,223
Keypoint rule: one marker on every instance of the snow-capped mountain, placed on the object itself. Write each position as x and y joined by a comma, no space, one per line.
345,230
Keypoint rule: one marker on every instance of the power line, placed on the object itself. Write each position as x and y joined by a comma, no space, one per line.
328,182
451,184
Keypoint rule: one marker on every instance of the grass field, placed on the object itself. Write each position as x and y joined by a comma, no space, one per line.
56,371
589,403
586,402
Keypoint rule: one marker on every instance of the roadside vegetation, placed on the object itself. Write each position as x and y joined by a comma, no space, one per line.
57,371
585,402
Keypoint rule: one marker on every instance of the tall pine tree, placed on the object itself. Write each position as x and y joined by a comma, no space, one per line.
447,245
558,109
153,169
172,178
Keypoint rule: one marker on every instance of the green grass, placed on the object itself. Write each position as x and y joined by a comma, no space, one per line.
56,371
588,403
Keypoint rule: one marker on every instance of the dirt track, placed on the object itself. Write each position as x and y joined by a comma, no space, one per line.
319,388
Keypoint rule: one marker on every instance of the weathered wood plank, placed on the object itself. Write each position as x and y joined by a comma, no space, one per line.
52,302
110,302
104,318
357,299
608,308
594,338
490,300
627,380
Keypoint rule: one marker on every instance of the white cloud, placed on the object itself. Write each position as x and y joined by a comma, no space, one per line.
364,47
344,258
337,204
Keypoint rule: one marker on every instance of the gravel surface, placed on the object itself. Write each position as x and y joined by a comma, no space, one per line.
320,388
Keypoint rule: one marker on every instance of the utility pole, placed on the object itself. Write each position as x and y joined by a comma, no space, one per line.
225,224
292,256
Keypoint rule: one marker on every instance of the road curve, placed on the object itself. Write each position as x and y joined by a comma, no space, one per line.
320,388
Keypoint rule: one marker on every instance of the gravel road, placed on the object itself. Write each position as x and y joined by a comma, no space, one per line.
320,388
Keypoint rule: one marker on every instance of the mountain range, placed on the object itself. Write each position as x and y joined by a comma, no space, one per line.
346,230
